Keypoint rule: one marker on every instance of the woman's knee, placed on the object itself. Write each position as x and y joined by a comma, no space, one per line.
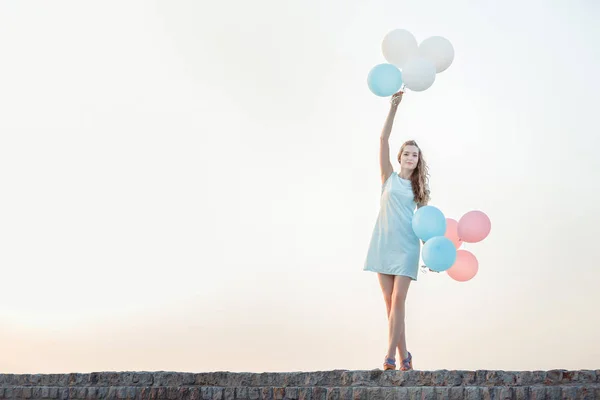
398,298
388,298
387,287
401,285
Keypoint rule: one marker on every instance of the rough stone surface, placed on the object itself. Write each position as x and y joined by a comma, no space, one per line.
319,385
336,378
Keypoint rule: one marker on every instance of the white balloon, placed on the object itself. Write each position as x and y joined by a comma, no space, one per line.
438,50
418,74
399,46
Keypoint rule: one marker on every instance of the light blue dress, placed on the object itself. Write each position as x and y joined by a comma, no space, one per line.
394,247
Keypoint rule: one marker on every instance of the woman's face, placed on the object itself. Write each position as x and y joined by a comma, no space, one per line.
409,157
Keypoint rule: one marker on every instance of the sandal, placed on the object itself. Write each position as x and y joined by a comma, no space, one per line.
389,363
407,363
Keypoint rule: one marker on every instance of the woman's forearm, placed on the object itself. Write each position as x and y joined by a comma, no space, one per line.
389,122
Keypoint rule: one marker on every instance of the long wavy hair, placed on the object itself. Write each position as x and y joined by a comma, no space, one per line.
420,177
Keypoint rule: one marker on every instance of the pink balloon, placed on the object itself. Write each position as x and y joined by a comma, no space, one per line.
452,232
465,267
474,226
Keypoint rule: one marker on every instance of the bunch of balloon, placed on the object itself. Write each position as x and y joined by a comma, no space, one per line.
409,65
443,238
472,227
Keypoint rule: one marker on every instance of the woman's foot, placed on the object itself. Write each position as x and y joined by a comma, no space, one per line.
389,363
406,364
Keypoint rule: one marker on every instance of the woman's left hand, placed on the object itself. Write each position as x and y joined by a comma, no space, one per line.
425,267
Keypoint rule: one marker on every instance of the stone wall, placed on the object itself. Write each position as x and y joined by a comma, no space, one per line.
322,385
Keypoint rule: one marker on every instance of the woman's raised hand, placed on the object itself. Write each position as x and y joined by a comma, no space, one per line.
396,98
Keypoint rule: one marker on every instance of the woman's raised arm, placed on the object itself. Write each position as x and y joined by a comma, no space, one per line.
385,163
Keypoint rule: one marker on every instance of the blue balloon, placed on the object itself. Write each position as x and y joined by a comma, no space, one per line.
439,253
384,80
429,222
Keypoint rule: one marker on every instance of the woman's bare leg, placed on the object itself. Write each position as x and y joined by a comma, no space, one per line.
387,288
396,319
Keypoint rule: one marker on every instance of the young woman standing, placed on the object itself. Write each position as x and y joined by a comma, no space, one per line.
394,249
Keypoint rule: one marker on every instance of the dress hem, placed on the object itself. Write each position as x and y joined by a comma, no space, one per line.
414,278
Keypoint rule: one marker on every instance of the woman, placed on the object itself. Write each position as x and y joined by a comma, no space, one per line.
395,249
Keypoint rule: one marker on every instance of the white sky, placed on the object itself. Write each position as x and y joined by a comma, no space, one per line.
192,185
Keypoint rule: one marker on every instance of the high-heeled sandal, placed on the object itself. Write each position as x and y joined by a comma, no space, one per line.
406,364
389,363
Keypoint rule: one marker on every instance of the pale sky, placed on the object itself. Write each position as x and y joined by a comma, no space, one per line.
192,185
